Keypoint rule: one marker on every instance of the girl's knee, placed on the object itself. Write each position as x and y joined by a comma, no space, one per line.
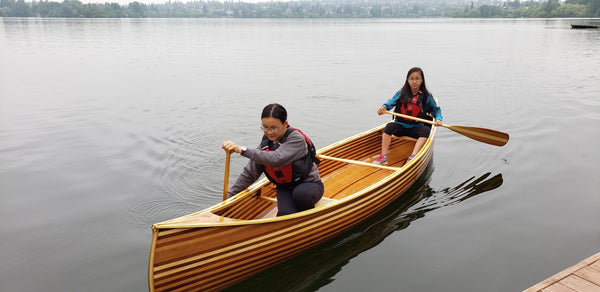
304,201
423,132
307,195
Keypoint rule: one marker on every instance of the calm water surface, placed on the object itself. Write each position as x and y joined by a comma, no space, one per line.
108,126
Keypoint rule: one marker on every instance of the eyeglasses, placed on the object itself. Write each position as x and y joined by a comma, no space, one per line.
415,79
272,130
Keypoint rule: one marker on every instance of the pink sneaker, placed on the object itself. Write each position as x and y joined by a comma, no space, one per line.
381,159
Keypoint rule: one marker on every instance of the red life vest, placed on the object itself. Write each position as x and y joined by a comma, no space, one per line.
295,172
412,107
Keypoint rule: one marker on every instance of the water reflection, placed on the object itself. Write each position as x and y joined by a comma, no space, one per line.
450,196
316,268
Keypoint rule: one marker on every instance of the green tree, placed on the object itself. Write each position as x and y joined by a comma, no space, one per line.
489,11
49,9
7,3
70,8
20,9
593,8
376,11
546,9
521,12
97,11
569,10
136,10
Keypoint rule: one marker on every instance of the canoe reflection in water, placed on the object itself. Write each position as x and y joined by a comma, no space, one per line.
317,267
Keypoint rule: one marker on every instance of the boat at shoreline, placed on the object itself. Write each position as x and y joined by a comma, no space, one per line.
233,240
583,26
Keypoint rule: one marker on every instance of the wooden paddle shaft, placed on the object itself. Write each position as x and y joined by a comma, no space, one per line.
226,179
484,135
411,118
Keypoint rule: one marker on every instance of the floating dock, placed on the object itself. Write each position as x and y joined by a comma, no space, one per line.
584,276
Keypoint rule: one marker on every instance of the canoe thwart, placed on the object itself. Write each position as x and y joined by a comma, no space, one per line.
267,199
358,162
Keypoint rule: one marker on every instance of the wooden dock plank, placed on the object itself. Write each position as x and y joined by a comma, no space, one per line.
558,287
580,277
589,274
578,284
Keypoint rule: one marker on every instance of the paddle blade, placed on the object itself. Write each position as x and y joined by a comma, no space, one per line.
484,135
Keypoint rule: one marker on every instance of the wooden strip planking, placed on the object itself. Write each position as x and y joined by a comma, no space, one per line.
351,209
306,226
588,275
315,234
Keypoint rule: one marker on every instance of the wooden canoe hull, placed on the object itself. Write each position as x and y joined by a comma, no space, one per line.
199,253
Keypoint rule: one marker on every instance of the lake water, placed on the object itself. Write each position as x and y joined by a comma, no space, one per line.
110,125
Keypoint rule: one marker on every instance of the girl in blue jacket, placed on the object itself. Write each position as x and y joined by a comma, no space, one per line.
414,100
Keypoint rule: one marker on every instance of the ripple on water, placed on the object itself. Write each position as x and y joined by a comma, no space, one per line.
185,179
158,210
189,174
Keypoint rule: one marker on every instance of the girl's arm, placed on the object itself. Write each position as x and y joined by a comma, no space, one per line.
432,107
249,175
392,102
293,149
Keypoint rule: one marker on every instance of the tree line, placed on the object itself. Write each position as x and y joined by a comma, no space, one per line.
301,9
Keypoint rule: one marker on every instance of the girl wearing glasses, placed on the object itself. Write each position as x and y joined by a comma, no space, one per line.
286,157
414,100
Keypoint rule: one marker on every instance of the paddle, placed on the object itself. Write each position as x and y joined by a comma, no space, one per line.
484,135
226,179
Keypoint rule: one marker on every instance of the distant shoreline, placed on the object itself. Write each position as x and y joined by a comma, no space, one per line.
303,9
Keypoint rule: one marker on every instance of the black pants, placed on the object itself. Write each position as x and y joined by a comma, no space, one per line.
397,130
299,198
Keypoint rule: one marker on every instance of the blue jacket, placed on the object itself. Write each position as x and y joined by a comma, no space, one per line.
429,106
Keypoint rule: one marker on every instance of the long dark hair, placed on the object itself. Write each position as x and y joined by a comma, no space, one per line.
274,110
406,93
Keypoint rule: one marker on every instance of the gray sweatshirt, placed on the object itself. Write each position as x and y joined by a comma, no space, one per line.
293,149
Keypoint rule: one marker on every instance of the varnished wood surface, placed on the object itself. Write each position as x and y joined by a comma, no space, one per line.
484,135
216,247
582,277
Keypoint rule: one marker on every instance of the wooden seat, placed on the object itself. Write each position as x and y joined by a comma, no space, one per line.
323,202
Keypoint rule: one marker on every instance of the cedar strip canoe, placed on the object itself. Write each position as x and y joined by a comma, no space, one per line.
233,240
